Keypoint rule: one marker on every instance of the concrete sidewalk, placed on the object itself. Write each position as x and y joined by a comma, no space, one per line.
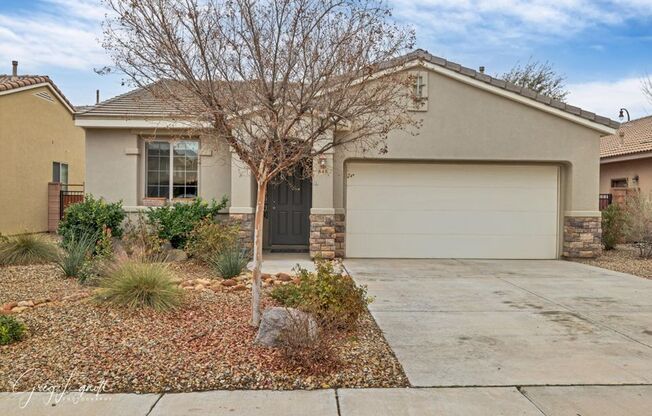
472,401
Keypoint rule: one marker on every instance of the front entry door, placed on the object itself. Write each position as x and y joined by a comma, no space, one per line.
288,208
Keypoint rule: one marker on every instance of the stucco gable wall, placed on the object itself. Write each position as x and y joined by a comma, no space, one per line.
466,123
34,133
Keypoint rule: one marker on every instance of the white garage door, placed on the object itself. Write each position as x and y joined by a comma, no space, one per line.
427,210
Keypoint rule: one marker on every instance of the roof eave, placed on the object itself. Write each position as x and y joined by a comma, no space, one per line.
626,157
135,122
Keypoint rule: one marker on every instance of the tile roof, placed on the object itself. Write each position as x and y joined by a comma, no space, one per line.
9,82
140,102
633,137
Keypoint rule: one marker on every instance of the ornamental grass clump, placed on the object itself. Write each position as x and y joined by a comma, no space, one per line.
77,254
230,262
141,285
11,330
26,249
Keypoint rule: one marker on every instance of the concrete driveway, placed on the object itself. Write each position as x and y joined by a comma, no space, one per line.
511,323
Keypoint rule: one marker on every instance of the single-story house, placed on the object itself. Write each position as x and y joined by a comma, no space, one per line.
626,159
496,171
39,144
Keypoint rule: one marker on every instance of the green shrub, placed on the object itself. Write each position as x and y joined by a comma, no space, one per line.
210,238
91,217
331,296
10,330
27,249
175,222
141,285
230,262
77,254
613,222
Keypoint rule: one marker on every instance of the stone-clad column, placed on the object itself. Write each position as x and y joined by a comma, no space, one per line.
326,222
582,236
242,200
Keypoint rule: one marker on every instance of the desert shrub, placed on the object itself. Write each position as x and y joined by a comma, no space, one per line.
638,223
27,249
210,238
3,238
77,254
140,285
230,262
11,330
328,294
306,350
613,221
175,222
91,217
141,241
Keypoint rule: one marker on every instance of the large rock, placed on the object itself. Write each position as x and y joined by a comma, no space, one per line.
279,324
176,255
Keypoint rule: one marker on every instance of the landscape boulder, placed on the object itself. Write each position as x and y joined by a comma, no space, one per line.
279,326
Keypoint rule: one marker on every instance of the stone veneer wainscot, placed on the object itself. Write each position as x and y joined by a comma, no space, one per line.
582,237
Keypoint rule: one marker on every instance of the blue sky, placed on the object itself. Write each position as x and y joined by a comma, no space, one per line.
603,47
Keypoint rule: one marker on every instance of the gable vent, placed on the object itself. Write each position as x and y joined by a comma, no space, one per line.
44,95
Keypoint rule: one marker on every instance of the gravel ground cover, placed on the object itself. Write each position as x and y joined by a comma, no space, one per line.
623,259
205,345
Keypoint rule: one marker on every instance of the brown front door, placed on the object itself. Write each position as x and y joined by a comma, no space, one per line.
288,209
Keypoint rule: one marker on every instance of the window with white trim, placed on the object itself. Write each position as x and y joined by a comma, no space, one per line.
172,169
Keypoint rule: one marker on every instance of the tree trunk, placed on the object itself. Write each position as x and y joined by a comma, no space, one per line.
256,284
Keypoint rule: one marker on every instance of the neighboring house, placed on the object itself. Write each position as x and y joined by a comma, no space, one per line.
496,171
39,143
626,159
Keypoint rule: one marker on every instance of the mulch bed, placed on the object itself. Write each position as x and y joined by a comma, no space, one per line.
624,259
205,345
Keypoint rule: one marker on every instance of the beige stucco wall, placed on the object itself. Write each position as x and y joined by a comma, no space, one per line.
34,133
627,169
464,123
116,166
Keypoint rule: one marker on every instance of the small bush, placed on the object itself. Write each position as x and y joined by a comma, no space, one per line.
210,238
638,223
141,285
175,222
229,263
309,351
141,241
10,330
27,249
77,254
91,217
613,221
329,295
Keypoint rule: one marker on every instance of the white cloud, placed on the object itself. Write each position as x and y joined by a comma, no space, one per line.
62,33
606,98
477,24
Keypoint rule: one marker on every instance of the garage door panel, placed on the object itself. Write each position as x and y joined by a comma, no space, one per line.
447,175
415,210
473,247
479,199
453,222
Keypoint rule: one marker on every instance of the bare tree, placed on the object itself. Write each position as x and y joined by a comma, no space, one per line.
280,81
647,87
540,77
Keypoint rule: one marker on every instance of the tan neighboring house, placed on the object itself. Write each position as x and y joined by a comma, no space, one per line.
626,160
496,172
39,143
